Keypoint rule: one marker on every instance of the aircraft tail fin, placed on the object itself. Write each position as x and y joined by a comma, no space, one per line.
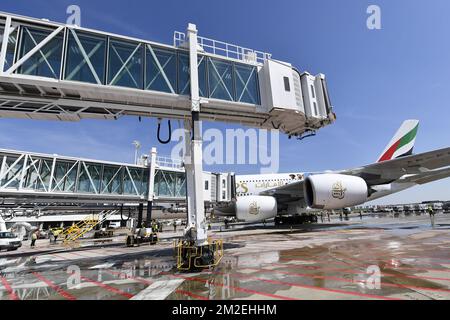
402,143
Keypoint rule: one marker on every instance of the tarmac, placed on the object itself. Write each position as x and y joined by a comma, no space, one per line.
371,257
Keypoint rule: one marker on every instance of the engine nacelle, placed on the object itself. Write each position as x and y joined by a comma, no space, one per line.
255,208
334,191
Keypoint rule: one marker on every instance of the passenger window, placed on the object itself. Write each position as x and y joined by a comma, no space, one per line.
287,86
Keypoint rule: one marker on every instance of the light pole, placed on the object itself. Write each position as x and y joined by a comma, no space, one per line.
137,146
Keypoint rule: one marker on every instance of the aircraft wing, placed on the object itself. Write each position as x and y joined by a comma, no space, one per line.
428,176
419,169
390,170
287,193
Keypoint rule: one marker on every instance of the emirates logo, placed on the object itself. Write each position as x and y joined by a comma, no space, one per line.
338,190
253,208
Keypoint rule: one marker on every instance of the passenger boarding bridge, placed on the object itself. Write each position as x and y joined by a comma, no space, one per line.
63,72
55,71
27,177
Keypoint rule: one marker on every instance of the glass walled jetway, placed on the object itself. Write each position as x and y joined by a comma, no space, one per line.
54,71
38,178
31,175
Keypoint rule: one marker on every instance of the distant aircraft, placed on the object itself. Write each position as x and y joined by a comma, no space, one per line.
262,197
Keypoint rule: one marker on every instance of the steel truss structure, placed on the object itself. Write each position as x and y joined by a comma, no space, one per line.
31,177
63,72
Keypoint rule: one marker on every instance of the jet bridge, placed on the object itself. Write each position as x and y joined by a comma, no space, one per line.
37,178
55,71
50,70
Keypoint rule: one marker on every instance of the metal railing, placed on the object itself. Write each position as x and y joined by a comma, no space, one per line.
224,49
169,162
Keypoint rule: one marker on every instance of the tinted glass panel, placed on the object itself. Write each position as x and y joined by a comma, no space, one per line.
220,76
180,186
246,84
65,176
112,180
10,48
202,82
184,74
83,48
46,62
131,180
161,72
184,81
125,64
11,178
45,171
287,87
89,180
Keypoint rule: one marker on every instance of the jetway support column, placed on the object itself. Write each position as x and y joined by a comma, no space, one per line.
140,210
193,159
151,187
196,251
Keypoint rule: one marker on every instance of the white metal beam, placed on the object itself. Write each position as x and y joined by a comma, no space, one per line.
5,40
194,169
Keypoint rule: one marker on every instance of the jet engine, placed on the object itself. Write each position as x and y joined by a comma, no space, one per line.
334,191
255,208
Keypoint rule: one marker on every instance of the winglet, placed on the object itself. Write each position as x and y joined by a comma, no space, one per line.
402,143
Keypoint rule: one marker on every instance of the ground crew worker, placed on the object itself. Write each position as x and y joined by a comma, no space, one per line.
33,239
51,236
174,226
431,213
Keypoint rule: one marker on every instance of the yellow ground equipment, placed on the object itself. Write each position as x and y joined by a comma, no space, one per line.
79,229
191,257
142,235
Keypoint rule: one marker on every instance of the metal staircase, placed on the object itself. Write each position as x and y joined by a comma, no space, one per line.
76,231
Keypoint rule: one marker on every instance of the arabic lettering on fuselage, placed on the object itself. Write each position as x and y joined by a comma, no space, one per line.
242,186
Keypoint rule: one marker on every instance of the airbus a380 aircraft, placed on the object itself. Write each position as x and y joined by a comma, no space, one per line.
261,197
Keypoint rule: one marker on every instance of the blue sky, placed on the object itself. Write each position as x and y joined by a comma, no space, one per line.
376,78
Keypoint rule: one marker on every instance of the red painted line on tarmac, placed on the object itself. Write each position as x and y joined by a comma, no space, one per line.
55,287
109,288
369,260
421,260
395,285
425,269
270,295
8,288
340,263
79,254
366,295
361,264
191,294
187,293
306,267
58,256
354,271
